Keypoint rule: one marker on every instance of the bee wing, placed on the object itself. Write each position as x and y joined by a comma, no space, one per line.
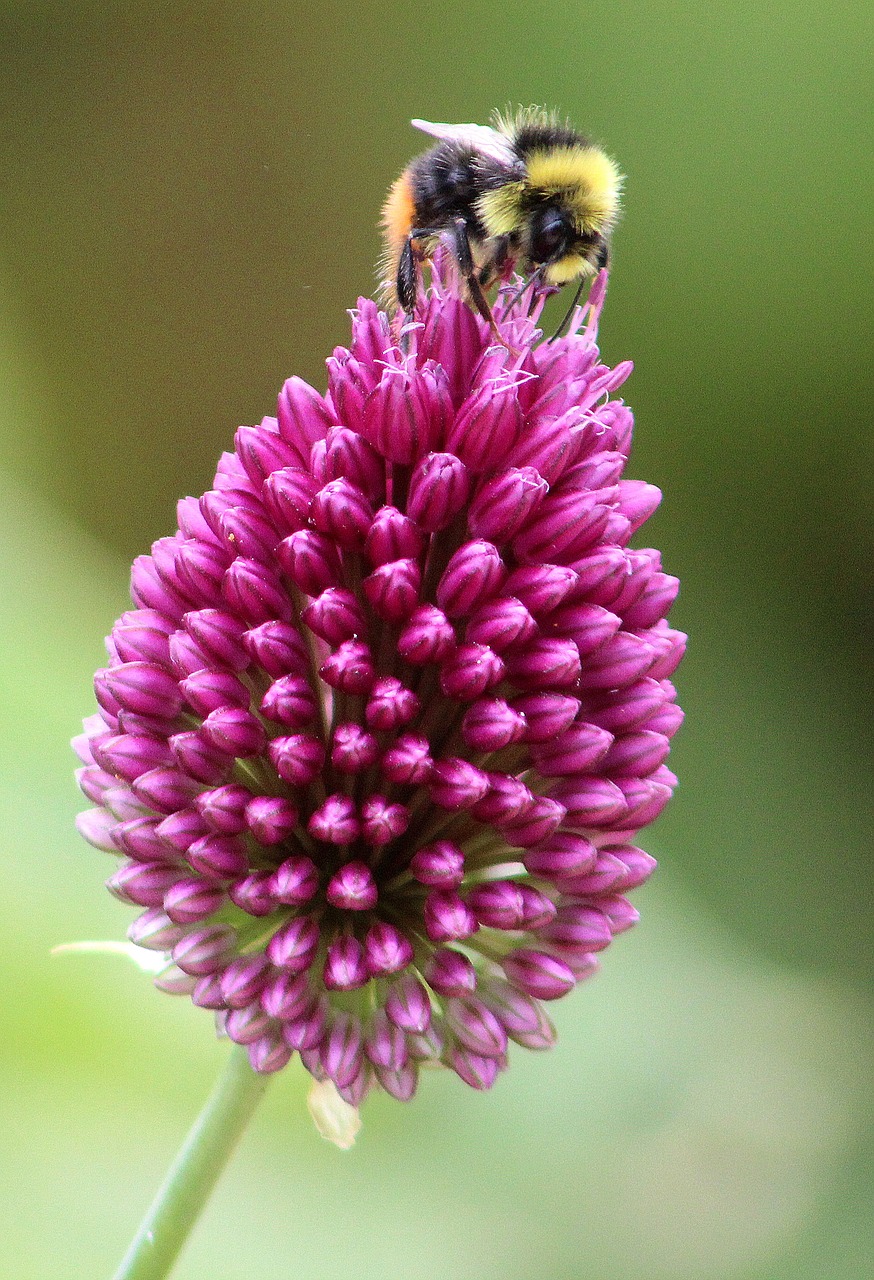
479,137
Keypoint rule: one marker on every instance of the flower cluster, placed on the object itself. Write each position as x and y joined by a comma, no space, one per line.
374,746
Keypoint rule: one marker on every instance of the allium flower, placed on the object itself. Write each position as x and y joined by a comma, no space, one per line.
376,742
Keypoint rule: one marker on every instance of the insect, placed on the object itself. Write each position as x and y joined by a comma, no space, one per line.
527,193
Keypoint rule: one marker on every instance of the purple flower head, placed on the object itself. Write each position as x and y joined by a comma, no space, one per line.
375,744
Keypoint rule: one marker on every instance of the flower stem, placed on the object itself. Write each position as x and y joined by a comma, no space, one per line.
195,1171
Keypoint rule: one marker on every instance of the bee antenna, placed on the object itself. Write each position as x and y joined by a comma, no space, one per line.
570,311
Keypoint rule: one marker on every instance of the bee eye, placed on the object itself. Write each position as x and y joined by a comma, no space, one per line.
550,234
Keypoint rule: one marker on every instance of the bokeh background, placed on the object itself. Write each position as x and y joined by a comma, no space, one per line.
188,199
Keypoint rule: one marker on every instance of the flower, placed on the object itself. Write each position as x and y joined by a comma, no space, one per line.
374,746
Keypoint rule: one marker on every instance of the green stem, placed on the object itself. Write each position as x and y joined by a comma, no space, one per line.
195,1171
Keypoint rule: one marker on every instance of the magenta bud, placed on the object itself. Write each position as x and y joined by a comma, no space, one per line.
498,904
97,826
406,413
254,593
386,950
636,754
345,455
286,995
268,1054
490,724
384,1043
393,536
293,947
199,758
500,624
278,648
505,502
311,560
335,821
294,881
345,969
588,625
144,637
576,925
475,1026
427,637
667,720
390,705
207,993
539,975
252,894
249,533
638,501
590,802
471,671
335,616
607,875
142,883
341,1048
669,646
507,800
247,1025
474,573
545,663
149,591
457,784
621,915
563,854
438,490
475,1070
262,451
220,636
297,758
399,1084
350,668
287,495
628,709
487,426
353,748
392,590
205,950
540,819
219,857
342,512
541,587
128,755
409,760
439,865
449,973
155,931
144,689
303,1031
243,980
302,417
407,1005
164,789
382,822
235,731
224,808
622,660
179,830
190,899
447,917
578,749
206,691
270,818
546,714
352,888
290,702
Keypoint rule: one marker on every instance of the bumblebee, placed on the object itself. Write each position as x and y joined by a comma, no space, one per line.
526,193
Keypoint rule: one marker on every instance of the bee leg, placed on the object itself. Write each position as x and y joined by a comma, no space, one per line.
464,257
407,281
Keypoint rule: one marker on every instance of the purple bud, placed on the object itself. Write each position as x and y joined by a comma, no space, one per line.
439,865
205,950
384,1043
449,973
487,426
608,874
298,758
293,947
578,749
507,800
588,625
311,560
191,899
342,513
289,701
350,668
224,808
390,704
562,854
220,636
438,490
155,931
392,590
262,452
457,784
335,616
254,593
199,758
545,664
128,756
219,857
407,1005
235,731
277,647
335,821
142,635
143,883
353,749
302,417
270,818
638,754
447,917
475,1070
305,1030
294,881
474,573
400,1084
538,822
539,975
243,980
475,1026
382,822
621,661
268,1054
345,968
207,992
346,455
206,691
165,789
179,830
97,826
252,894
428,636
393,536
286,995
638,501
341,1050
352,888
247,1025
144,689
287,496
577,926
669,645
505,502
409,760
406,413
149,591
491,724
541,587
386,950
471,671
501,623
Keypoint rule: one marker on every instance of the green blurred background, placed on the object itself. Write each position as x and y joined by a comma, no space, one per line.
188,199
